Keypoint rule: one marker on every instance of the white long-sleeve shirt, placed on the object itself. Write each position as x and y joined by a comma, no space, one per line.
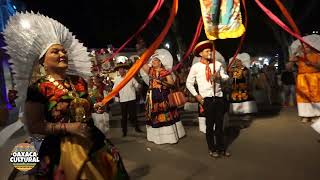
198,73
128,92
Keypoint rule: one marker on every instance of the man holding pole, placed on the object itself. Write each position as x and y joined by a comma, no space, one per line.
209,74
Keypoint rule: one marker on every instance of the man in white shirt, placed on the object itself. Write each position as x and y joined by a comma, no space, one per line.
212,100
127,97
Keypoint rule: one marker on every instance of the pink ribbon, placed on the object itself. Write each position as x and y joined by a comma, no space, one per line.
155,9
275,19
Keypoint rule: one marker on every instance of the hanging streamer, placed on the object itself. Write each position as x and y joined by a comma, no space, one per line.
191,46
155,9
275,19
293,25
287,16
243,36
146,55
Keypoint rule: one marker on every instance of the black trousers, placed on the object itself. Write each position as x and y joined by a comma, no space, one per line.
128,108
214,109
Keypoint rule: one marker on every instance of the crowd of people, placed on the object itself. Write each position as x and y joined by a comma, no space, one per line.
68,113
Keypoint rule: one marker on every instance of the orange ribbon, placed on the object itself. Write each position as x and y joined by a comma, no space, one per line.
148,53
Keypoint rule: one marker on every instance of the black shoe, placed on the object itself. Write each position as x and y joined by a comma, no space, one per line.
138,130
214,154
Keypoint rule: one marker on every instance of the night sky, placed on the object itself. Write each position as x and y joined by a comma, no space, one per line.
99,23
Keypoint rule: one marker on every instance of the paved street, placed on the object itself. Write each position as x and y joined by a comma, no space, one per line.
274,146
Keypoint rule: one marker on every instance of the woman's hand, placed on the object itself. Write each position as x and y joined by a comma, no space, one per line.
99,107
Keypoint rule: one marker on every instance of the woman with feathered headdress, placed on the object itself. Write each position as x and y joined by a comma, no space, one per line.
57,105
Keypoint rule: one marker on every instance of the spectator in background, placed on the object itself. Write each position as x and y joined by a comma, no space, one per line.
288,85
127,97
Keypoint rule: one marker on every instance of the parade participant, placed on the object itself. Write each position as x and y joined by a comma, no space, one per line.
288,81
201,115
163,121
57,106
241,98
213,103
308,78
127,98
96,91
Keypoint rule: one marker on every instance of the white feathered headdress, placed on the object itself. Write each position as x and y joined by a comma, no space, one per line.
28,36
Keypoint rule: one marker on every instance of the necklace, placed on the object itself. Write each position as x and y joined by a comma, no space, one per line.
72,94
56,83
79,107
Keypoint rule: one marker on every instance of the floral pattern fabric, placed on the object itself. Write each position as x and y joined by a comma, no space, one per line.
158,111
240,85
54,148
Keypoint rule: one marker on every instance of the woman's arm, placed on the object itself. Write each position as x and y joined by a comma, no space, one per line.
36,124
146,68
170,80
34,113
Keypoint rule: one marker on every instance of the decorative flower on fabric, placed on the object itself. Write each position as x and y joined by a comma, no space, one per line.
47,88
80,87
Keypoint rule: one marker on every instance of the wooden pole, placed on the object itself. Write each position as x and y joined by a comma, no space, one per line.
214,67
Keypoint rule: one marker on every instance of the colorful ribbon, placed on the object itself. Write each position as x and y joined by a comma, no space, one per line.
191,46
155,9
146,55
293,25
275,19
